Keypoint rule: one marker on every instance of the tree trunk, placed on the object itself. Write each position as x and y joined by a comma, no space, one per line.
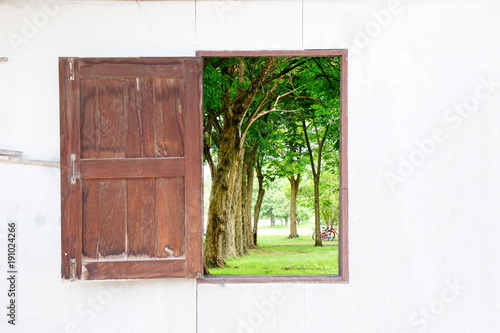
258,204
294,187
316,171
229,237
219,211
247,192
317,217
235,216
271,216
238,217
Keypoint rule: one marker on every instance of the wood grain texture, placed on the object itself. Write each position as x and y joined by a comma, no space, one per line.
112,214
170,213
90,219
89,119
111,124
71,195
169,121
141,217
134,269
193,73
139,101
132,135
141,193
130,67
112,218
132,168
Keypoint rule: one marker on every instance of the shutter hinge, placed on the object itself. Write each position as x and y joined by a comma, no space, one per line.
71,70
73,173
72,269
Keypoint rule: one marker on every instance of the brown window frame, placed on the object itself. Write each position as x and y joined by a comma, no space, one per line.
343,276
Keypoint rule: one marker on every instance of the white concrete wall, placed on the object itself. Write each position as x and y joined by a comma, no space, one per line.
424,140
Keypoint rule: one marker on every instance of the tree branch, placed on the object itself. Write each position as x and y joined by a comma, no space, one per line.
256,114
325,75
309,149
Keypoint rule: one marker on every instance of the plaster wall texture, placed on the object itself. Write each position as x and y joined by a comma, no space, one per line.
424,143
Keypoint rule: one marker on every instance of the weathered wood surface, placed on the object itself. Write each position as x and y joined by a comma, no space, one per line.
71,194
132,168
146,269
139,167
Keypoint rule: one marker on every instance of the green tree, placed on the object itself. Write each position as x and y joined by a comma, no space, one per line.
320,111
241,91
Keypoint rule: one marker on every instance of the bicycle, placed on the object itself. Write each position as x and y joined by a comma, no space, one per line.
327,233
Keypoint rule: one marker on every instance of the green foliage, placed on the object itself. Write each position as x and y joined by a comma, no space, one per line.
310,91
286,111
329,197
277,198
308,88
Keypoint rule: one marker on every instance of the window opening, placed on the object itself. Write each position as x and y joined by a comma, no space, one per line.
272,149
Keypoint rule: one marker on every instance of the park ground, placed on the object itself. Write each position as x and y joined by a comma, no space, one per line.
278,255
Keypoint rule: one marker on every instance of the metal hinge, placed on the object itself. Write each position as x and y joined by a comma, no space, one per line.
73,173
71,70
72,269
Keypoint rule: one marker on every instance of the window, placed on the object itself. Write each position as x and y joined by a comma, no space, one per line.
131,168
343,244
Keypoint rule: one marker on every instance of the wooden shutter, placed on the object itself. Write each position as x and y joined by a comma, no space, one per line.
131,182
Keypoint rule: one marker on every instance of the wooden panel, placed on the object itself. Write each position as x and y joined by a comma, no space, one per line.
111,118
139,102
127,123
141,193
193,180
90,218
170,217
141,226
132,168
129,67
71,195
134,269
112,218
89,126
169,123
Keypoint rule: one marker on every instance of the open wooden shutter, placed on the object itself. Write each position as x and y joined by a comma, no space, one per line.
131,149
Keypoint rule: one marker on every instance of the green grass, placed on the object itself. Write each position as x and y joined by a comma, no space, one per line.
278,255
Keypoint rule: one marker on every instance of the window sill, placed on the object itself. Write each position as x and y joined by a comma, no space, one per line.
228,279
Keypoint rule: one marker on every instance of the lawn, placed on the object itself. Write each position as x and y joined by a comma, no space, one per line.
278,255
